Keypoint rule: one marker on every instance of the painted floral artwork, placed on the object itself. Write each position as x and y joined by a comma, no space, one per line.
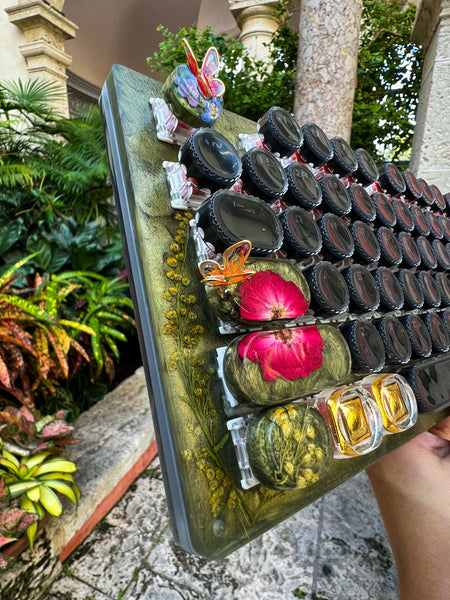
268,297
288,353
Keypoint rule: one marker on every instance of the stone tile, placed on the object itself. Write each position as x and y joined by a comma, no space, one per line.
70,588
335,548
354,560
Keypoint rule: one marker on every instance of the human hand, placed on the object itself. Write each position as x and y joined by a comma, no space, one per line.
412,487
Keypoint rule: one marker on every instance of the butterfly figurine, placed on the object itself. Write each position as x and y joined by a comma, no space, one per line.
232,270
208,84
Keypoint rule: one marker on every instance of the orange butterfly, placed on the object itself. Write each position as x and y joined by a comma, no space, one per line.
232,270
208,84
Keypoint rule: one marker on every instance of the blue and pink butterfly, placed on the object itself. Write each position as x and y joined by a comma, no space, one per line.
199,85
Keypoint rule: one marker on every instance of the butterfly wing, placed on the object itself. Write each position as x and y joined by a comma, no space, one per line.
234,259
210,64
232,270
235,256
210,268
192,61
210,67
217,87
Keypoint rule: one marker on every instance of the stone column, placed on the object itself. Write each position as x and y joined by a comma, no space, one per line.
430,156
257,24
45,29
326,65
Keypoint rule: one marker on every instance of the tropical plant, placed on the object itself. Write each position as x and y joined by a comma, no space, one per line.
34,345
102,308
14,521
36,480
33,471
24,432
53,327
35,221
58,156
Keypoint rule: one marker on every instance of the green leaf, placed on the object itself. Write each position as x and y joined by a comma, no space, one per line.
50,501
10,457
62,488
95,340
31,533
56,475
76,325
42,250
113,333
17,489
30,308
35,460
54,465
4,279
9,234
34,494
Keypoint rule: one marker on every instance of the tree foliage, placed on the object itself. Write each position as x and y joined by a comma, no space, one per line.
389,73
389,77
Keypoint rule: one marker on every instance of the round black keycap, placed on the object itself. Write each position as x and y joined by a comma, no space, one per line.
210,159
334,195
438,331
302,236
391,180
396,340
391,293
384,209
420,222
412,290
366,345
344,161
391,252
430,289
229,217
303,188
419,335
337,240
316,148
262,175
442,257
427,194
328,288
413,190
282,134
410,251
363,207
366,243
367,171
403,215
363,289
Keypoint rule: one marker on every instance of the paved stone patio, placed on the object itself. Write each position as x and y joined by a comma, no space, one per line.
335,549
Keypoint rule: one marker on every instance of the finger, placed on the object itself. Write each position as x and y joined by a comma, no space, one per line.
437,445
442,429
